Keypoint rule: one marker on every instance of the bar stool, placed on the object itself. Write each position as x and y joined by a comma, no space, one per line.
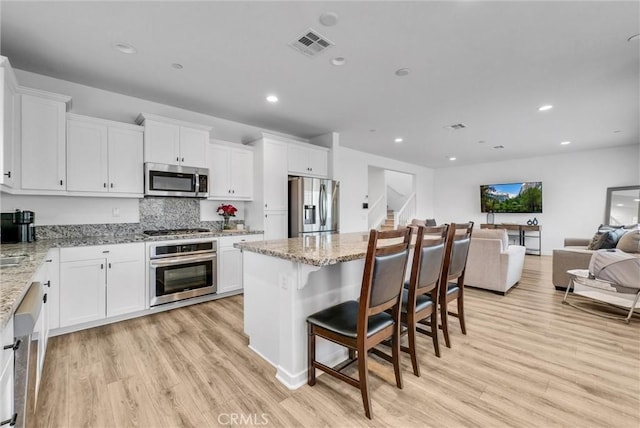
362,325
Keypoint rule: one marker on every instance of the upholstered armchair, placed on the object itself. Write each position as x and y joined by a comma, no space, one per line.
493,264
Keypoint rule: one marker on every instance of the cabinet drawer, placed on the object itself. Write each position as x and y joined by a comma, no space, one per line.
228,241
5,340
119,251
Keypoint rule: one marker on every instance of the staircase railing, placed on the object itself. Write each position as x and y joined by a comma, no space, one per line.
407,212
378,212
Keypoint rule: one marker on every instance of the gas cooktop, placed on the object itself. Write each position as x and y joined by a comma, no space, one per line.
166,232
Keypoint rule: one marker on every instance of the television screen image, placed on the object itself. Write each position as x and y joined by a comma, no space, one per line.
511,197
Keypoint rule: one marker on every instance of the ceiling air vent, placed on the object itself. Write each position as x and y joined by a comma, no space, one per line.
456,126
311,43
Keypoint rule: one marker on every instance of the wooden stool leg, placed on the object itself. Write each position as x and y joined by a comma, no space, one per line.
461,313
364,382
445,329
311,355
434,332
411,332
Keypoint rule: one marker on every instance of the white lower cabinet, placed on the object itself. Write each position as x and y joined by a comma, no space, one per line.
101,281
275,225
230,262
6,372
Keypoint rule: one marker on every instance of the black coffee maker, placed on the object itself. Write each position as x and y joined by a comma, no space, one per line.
17,227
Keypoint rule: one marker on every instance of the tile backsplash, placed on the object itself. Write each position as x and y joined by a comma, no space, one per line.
155,213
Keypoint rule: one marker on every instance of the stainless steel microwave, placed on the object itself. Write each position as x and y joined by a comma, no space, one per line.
174,180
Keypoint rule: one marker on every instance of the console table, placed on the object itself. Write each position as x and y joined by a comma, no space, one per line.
524,231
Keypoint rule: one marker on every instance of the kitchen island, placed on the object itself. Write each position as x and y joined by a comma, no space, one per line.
287,280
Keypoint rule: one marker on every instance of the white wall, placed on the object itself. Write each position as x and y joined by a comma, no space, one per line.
574,189
63,210
400,182
376,194
351,167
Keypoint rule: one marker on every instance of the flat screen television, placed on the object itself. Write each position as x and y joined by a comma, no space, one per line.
511,197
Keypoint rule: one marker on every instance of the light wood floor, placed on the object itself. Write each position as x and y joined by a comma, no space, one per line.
527,361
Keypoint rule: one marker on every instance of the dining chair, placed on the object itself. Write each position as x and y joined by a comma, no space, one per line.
420,295
361,325
453,269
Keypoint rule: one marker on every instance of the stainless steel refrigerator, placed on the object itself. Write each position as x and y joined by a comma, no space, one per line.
313,205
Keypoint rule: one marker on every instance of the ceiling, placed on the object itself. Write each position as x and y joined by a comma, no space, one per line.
489,65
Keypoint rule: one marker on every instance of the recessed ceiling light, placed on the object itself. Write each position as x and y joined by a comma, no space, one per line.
634,37
125,48
402,72
339,60
329,19
636,200
272,98
398,140
498,147
565,143
177,66
452,158
545,107
619,205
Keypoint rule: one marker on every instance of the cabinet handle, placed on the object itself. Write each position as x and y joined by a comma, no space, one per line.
265,205
48,260
265,216
61,182
11,421
105,252
177,159
15,345
109,265
104,185
48,284
233,191
112,185
44,298
8,174
182,160
229,191
101,265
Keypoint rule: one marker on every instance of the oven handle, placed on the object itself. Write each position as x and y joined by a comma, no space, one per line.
180,260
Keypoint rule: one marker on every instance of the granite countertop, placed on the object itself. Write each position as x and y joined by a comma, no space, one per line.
316,250
16,280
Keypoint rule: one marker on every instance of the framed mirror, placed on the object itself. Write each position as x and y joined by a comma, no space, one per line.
623,205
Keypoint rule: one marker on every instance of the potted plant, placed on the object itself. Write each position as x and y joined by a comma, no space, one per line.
226,211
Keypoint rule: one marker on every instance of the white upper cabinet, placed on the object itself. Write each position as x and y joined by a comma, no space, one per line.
308,160
9,131
275,176
174,142
231,173
43,141
104,156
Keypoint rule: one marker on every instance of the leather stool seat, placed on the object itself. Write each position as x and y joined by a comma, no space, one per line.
343,319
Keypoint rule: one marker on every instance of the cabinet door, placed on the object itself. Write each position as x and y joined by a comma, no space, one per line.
220,186
125,285
241,172
8,133
275,225
161,142
230,269
86,157
318,162
125,161
52,287
43,144
298,160
193,147
275,176
6,391
82,291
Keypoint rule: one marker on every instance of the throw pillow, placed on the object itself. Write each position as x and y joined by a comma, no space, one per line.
630,242
610,239
431,222
593,245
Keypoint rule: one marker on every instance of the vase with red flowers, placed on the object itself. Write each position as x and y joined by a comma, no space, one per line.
226,211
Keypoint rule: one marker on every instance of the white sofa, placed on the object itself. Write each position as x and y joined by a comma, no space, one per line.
493,264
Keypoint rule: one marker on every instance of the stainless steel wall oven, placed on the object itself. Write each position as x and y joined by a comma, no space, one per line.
182,269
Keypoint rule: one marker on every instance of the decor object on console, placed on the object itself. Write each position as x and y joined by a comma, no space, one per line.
493,264
226,211
612,278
